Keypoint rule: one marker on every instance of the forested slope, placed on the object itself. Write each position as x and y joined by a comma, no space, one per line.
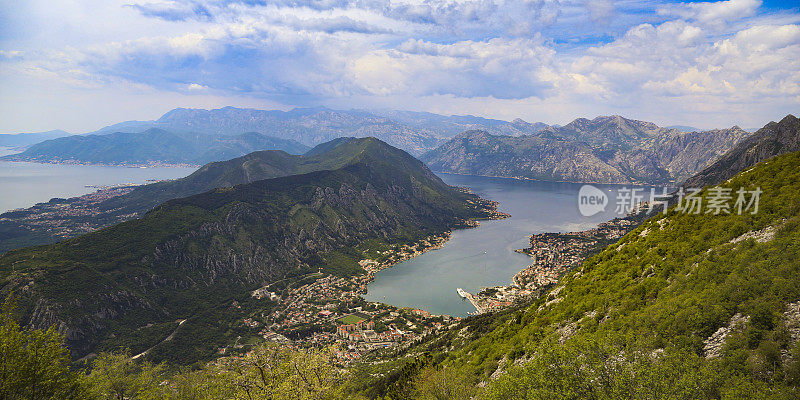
685,306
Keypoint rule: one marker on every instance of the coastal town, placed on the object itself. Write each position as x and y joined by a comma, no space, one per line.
320,309
323,310
65,218
553,254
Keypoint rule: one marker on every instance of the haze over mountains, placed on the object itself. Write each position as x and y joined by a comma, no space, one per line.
153,146
190,255
27,139
605,150
609,149
195,136
415,132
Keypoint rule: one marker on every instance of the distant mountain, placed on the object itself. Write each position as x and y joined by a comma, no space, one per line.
685,128
480,153
189,258
27,139
43,223
415,132
604,150
152,146
773,139
449,126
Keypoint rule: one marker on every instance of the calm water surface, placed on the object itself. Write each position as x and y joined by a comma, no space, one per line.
24,184
484,256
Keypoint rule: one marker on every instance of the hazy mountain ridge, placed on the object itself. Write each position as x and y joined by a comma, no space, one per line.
189,254
153,146
27,139
415,132
605,150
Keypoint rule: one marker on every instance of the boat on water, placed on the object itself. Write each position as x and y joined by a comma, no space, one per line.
462,293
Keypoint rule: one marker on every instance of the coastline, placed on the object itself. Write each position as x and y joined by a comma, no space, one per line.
431,242
524,178
154,164
554,255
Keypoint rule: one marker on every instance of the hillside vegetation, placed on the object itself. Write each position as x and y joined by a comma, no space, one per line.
687,306
189,258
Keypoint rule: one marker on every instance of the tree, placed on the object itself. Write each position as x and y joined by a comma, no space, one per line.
118,377
443,384
277,373
34,363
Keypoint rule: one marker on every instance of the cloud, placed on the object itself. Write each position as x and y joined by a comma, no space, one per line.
174,10
11,54
487,56
600,9
712,12
498,67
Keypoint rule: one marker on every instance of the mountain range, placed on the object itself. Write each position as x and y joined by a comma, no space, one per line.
153,146
190,256
686,305
43,224
604,150
415,132
27,139
196,136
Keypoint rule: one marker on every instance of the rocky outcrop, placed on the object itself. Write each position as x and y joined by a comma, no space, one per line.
713,346
603,150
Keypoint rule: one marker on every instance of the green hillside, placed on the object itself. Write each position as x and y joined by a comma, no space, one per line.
188,258
686,306
16,231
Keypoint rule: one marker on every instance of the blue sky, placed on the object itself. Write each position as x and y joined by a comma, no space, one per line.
79,65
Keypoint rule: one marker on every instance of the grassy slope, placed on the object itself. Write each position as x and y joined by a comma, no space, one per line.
667,287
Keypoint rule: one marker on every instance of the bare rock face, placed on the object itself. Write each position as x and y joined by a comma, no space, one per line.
791,318
774,139
712,347
603,150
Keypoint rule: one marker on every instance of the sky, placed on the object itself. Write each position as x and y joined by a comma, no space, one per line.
81,65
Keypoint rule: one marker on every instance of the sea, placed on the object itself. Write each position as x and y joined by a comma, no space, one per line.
484,256
23,184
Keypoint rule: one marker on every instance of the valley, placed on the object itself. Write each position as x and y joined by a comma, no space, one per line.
399,200
377,283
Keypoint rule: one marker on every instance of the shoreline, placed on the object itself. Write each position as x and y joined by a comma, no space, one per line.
554,255
523,178
432,242
118,165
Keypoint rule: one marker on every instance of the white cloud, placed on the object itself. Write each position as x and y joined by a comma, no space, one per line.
498,67
717,12
509,58
11,54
